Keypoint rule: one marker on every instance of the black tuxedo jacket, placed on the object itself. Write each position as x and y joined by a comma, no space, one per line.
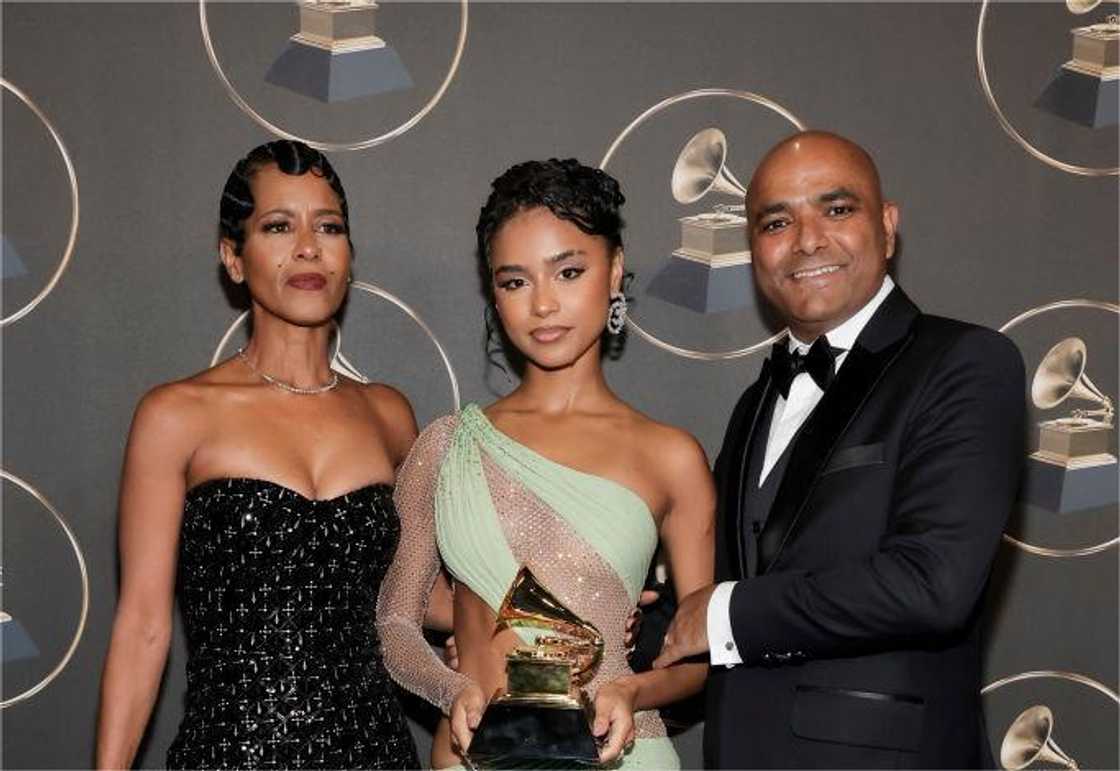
859,629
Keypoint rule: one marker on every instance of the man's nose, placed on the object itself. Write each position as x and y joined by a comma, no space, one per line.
810,235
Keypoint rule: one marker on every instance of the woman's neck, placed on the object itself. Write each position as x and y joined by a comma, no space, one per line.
290,353
582,386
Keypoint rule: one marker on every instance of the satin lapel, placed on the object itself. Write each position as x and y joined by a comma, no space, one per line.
869,359
736,446
736,483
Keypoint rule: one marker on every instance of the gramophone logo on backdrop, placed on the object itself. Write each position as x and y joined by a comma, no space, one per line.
1072,469
15,643
1029,741
710,272
336,55
1085,89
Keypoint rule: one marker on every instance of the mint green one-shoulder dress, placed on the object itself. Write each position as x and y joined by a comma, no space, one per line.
486,505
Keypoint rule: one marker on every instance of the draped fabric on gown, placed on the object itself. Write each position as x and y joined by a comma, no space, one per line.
488,505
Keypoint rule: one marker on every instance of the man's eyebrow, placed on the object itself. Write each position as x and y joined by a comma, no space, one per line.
773,208
838,194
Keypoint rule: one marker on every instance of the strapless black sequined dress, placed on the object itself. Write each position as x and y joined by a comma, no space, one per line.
278,595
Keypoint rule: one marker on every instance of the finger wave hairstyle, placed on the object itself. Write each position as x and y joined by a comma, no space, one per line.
289,156
587,197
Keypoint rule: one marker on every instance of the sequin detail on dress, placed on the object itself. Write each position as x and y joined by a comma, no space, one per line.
278,594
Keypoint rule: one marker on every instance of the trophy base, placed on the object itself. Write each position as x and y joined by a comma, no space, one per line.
338,76
1083,98
704,288
517,733
11,266
1073,486
15,642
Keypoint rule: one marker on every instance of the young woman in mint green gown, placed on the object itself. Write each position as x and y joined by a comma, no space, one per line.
560,476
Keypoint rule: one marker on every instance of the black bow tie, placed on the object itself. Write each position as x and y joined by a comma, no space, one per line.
819,362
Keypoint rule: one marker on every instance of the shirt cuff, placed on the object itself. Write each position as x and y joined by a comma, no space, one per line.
721,640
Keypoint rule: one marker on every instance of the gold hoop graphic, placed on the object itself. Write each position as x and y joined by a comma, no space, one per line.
1030,313
78,556
72,239
690,353
1051,674
361,144
1005,124
339,362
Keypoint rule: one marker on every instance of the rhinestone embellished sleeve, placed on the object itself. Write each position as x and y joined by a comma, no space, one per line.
407,585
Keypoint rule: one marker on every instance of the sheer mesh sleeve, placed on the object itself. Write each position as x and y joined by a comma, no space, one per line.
408,583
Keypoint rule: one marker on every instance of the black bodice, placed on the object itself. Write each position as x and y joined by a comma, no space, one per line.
278,594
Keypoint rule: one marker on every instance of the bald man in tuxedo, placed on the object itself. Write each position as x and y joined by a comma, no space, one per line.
863,483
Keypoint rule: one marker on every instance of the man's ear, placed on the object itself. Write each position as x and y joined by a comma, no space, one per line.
231,260
890,227
618,270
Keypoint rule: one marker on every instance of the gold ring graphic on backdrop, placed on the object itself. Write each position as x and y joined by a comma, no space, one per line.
80,559
361,144
72,239
1005,124
748,96
1051,674
339,362
1046,551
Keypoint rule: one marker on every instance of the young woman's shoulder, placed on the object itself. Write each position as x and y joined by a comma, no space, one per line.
667,447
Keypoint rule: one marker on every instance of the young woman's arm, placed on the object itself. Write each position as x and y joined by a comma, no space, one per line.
687,532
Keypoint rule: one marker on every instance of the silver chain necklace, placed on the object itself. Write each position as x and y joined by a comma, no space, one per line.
330,386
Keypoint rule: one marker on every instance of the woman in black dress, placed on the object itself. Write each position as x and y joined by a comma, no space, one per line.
265,483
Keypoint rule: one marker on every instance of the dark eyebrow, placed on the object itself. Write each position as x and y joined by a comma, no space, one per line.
838,194
773,208
335,212
551,259
279,210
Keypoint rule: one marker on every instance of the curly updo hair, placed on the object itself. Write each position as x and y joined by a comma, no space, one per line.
289,156
587,197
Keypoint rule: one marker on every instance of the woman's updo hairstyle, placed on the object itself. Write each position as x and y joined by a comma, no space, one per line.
589,198
290,157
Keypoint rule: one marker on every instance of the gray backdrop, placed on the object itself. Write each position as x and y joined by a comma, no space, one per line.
988,232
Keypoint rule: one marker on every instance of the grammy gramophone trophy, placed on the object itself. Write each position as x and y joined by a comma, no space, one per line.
1030,740
1072,468
1086,89
543,715
336,55
710,271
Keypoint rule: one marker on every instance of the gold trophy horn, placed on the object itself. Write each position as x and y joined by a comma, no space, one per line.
1028,740
528,604
1061,375
543,717
701,168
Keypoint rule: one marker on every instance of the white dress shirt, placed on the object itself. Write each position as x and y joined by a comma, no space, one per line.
788,417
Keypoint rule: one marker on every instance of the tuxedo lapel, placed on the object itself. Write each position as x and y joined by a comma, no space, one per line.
884,337
741,431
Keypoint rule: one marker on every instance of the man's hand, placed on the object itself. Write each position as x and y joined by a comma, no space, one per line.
688,632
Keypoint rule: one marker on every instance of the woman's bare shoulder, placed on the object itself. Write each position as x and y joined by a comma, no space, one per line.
665,443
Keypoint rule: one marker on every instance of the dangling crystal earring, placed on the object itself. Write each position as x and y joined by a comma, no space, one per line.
616,313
